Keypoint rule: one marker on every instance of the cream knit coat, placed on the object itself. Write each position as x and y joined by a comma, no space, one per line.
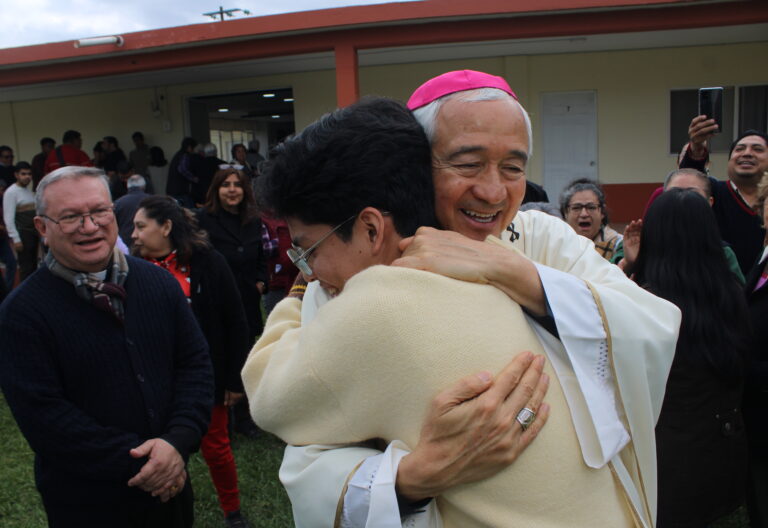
373,359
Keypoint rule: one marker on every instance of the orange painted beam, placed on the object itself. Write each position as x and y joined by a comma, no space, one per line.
498,28
165,59
347,79
323,19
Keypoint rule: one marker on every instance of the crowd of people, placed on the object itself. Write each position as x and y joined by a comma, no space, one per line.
447,355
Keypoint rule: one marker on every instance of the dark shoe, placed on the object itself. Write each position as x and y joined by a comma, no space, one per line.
235,519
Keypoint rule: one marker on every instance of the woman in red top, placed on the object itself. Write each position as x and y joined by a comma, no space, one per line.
168,235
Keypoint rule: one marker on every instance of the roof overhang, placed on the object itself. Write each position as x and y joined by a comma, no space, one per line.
385,34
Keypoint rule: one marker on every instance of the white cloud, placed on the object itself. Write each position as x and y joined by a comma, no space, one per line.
41,21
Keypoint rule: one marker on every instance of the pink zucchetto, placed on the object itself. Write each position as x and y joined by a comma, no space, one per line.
455,81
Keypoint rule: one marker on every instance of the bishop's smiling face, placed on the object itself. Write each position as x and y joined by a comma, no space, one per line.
479,153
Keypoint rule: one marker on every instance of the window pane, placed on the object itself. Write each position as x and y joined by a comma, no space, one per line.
684,106
753,108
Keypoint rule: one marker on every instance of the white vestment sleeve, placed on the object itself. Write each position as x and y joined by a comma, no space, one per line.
314,477
357,500
582,351
641,332
371,501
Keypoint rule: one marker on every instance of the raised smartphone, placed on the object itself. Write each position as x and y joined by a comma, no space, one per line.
711,104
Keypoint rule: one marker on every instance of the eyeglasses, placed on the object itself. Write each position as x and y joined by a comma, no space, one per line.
72,222
577,207
299,257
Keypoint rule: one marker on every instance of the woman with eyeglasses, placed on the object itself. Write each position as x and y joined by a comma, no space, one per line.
582,204
168,235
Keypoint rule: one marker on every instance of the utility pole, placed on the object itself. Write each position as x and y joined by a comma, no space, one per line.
228,12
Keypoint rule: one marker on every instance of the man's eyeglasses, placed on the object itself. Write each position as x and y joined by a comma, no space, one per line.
577,207
299,257
72,222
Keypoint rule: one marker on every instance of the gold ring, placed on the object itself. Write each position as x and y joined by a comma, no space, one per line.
174,489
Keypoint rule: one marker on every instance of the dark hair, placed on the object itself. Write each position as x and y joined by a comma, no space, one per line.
185,237
124,167
111,140
70,135
47,141
692,172
745,134
5,148
681,259
157,157
370,154
21,166
583,184
235,146
188,142
247,208
137,135
98,147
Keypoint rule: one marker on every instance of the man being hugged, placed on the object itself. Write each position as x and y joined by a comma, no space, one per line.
352,187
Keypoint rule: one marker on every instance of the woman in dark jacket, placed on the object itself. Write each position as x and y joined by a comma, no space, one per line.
756,388
700,438
168,236
235,230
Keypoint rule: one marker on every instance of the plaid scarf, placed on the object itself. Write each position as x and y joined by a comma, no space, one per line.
107,295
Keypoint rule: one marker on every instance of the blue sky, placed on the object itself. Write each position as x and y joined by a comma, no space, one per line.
39,21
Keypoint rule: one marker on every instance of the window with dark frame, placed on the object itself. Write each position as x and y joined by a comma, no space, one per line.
751,114
753,108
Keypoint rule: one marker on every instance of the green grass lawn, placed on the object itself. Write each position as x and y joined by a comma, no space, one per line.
263,498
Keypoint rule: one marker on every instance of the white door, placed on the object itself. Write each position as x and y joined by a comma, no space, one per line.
569,132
